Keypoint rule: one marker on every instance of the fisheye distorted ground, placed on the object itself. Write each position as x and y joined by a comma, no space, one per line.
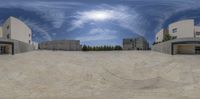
99,75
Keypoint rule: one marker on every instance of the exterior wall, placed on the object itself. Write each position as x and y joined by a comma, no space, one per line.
1,32
197,31
67,45
159,36
35,45
183,29
164,47
6,29
18,46
18,34
139,43
128,44
186,45
20,31
17,30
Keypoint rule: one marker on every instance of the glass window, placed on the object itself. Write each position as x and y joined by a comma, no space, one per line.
8,36
174,30
8,27
197,33
174,37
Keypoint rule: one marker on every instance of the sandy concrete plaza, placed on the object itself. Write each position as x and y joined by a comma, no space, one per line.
99,75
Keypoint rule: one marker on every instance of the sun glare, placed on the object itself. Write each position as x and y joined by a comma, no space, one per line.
99,15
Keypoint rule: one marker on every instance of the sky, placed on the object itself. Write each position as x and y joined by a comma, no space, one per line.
98,22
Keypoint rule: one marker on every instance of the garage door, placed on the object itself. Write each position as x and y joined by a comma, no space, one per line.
186,49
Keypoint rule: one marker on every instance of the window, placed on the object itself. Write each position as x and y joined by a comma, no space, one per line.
29,41
174,30
174,37
29,35
197,33
157,38
8,27
8,36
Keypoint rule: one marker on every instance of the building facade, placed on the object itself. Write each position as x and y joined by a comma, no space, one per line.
65,45
15,37
185,38
139,43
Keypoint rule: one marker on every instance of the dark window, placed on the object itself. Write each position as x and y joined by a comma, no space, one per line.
197,50
29,35
8,27
29,41
157,38
174,30
174,37
8,36
197,33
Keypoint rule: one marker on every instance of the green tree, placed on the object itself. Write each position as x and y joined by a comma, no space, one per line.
167,37
84,48
117,47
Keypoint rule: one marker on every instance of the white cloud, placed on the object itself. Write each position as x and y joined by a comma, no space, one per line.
123,16
98,34
38,28
50,11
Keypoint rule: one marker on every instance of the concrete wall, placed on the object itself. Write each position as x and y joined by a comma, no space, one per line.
184,28
6,29
159,36
1,33
128,44
197,31
139,43
20,31
19,46
164,47
17,30
67,45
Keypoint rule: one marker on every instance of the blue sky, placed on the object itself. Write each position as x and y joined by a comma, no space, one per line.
98,22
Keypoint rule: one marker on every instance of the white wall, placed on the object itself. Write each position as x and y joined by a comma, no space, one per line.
159,36
197,31
17,30
185,29
6,31
1,33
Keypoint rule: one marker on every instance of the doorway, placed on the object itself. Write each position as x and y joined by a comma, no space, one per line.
5,49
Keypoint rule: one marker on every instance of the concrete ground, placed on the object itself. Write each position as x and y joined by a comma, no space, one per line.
99,75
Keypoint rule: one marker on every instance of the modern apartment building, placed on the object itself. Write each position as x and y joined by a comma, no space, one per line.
15,37
185,38
65,45
139,43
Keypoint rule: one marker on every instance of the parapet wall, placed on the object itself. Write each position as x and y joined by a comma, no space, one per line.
66,45
21,47
164,47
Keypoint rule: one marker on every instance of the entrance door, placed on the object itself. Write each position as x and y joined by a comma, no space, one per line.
5,49
197,50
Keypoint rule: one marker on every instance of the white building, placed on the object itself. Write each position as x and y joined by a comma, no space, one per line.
180,29
13,28
185,38
15,36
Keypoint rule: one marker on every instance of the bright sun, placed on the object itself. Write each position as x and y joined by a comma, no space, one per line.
99,15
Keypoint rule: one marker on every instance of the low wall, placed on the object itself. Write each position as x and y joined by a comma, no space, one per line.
21,47
168,46
18,46
66,45
164,47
